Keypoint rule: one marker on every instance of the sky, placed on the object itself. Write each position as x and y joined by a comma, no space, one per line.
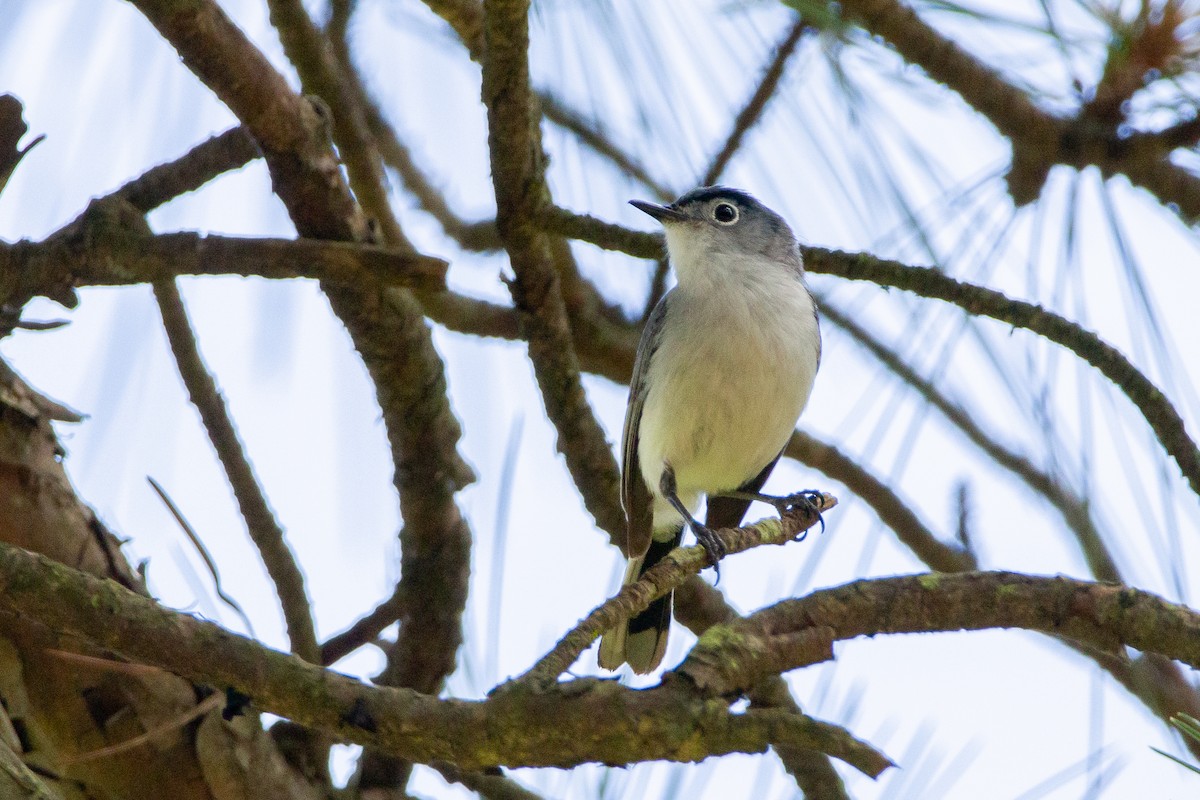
856,150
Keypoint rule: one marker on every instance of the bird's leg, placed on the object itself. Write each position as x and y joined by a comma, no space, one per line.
704,535
809,499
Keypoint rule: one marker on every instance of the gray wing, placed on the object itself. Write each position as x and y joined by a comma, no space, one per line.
635,494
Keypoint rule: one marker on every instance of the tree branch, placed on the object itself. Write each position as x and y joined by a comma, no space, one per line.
1100,615
592,136
264,529
364,630
321,75
105,249
887,505
517,161
669,573
1039,139
386,325
584,721
1154,406
291,131
1073,510
752,112
61,706
233,149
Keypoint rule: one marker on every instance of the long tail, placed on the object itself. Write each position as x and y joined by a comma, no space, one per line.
642,640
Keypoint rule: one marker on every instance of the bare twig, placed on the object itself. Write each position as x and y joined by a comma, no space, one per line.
752,112
261,524
592,135
201,550
887,505
478,236
487,785
226,151
1074,511
365,630
210,703
395,154
12,128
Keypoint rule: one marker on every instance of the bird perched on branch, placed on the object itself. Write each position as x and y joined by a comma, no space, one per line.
724,367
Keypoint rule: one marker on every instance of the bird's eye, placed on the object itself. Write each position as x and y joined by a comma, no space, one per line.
725,213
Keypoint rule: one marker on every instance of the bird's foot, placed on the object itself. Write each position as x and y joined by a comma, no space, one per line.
808,501
712,545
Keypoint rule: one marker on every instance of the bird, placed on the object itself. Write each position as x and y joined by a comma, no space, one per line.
724,367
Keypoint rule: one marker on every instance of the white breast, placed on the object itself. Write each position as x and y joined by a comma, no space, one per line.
733,370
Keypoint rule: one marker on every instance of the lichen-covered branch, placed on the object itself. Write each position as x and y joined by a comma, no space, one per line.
63,709
1101,615
583,721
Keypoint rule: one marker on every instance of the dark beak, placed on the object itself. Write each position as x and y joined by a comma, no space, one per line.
663,214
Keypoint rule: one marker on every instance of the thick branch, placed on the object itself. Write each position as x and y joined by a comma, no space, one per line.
1100,615
517,162
103,251
583,721
67,710
291,131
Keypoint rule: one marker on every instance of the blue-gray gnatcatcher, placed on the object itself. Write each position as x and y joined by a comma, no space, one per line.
724,367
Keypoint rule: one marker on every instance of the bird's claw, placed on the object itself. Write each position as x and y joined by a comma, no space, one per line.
712,545
808,501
